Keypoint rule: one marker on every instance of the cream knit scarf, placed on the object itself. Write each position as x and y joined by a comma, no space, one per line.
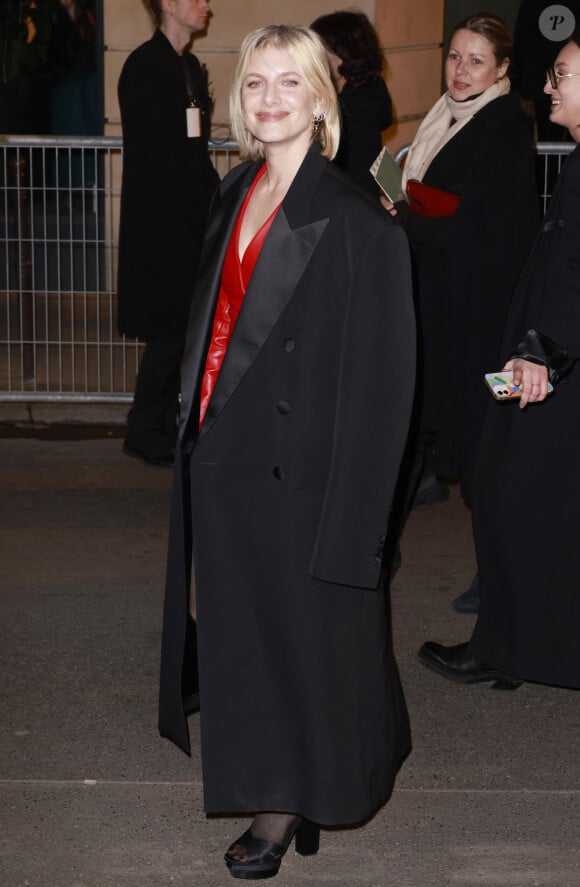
444,121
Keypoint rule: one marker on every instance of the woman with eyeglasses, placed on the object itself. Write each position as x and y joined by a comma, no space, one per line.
527,493
475,146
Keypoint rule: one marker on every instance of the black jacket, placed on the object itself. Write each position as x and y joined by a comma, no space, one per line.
168,181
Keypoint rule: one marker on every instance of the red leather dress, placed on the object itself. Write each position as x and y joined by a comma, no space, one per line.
236,276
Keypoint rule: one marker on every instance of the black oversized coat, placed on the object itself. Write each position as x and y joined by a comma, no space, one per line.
168,181
526,511
285,495
464,290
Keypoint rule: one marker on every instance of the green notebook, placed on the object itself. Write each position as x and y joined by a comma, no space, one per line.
389,175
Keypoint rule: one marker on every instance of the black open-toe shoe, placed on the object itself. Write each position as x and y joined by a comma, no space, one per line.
262,859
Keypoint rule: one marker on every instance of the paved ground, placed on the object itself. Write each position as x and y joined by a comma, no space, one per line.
90,796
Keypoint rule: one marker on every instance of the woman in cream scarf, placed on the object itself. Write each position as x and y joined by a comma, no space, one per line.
475,143
445,119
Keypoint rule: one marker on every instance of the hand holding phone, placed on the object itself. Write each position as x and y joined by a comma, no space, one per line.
501,385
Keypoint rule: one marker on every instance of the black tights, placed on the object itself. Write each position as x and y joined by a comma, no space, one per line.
272,826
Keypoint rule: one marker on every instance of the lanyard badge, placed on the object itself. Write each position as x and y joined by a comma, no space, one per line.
193,120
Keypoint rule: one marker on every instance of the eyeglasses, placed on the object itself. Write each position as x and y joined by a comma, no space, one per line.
554,77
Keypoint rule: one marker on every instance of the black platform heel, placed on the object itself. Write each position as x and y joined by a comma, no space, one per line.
307,841
263,858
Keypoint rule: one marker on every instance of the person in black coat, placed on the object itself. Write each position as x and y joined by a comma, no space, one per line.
526,509
356,62
475,144
168,181
285,472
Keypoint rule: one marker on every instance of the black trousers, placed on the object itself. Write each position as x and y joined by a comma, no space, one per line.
152,420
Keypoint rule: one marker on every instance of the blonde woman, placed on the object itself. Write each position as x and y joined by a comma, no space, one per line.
297,389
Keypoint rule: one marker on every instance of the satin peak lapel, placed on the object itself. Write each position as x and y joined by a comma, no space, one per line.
283,259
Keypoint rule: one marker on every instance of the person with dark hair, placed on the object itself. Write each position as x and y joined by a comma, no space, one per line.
168,181
475,147
297,388
526,509
356,62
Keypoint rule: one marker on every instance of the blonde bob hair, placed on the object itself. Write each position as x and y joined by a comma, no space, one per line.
308,51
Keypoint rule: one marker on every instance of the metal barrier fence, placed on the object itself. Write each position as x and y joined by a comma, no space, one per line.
59,209
554,154
59,212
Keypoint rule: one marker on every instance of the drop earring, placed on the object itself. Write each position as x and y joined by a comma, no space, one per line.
317,120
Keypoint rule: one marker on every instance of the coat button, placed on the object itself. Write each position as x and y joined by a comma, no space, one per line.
289,345
283,407
279,473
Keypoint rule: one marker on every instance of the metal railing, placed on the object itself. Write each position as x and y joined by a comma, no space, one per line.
59,210
554,154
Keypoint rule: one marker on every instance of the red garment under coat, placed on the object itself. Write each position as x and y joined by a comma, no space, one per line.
236,276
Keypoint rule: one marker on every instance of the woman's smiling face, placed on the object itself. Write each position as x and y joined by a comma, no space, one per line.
565,97
277,104
471,66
